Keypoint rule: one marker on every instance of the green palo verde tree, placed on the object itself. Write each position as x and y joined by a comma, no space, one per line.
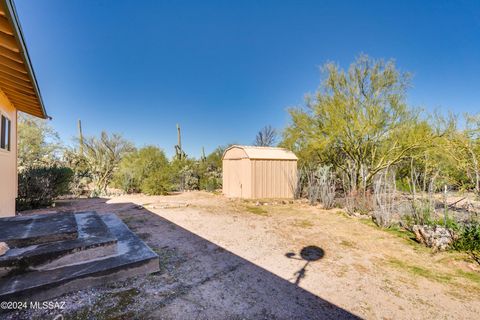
463,145
145,170
358,121
101,156
38,144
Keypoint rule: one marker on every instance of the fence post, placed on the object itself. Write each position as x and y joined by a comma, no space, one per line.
445,188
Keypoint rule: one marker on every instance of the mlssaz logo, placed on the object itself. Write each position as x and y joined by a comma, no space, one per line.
50,305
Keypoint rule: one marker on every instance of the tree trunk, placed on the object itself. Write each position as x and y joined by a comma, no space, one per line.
476,170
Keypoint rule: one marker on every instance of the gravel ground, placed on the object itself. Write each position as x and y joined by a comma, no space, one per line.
233,259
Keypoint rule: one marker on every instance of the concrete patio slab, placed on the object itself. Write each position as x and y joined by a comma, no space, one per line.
133,258
94,241
22,231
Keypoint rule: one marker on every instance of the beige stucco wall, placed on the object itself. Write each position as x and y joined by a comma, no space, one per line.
8,163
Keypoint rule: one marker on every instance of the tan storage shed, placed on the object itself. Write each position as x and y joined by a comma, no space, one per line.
259,172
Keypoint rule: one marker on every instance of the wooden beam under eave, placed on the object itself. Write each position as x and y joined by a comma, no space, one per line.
31,111
23,90
20,67
15,56
18,95
15,84
25,83
24,105
14,73
21,101
8,42
13,70
5,26
3,11
28,109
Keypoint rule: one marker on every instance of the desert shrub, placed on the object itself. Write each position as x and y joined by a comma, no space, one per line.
319,185
211,178
189,177
145,170
425,215
418,214
184,174
360,202
81,177
101,157
38,187
469,239
326,181
204,174
384,192
423,212
211,170
127,182
312,186
297,183
38,143
157,183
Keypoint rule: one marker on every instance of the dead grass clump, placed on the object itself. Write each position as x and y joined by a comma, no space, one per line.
347,244
257,210
303,224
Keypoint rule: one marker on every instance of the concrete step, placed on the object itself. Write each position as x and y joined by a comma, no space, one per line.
22,231
94,241
133,258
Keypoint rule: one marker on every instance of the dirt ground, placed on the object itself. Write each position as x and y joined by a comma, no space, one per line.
231,259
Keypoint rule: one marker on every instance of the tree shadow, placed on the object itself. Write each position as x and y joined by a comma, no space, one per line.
308,254
201,280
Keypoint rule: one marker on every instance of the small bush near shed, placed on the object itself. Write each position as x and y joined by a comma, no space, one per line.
38,187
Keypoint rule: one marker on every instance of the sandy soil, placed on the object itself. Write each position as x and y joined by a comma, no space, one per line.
223,258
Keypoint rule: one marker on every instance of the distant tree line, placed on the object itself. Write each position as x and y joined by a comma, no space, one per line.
360,146
358,123
96,165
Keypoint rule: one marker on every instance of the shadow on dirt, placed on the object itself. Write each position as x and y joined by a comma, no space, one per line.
308,254
201,280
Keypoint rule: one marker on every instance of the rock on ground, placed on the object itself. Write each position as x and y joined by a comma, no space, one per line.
3,248
436,237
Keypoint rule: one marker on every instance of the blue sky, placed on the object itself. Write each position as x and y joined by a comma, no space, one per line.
224,69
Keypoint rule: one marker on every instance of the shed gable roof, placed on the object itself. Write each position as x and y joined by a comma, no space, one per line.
260,153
